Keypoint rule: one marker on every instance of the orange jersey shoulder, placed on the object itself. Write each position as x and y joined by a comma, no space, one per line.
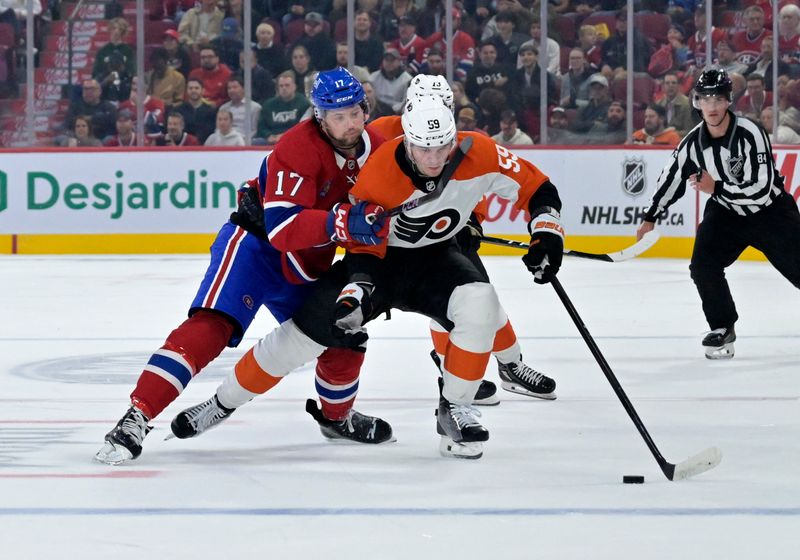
389,127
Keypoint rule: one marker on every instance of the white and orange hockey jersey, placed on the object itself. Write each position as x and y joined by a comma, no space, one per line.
487,168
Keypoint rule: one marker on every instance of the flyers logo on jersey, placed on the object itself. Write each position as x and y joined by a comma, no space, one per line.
435,227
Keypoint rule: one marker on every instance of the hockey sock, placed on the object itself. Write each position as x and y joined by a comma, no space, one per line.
440,338
187,350
463,371
337,381
505,347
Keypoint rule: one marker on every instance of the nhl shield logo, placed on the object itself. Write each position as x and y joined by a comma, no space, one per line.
736,165
430,186
633,177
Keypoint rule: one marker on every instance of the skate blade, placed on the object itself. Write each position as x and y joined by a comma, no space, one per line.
520,390
492,400
722,353
337,439
463,450
112,454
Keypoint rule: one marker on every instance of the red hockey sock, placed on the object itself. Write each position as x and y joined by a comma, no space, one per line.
337,381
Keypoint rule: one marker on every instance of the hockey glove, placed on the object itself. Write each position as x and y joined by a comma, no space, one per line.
359,223
353,306
469,238
250,214
547,245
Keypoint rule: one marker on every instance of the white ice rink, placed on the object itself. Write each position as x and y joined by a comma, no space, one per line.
76,332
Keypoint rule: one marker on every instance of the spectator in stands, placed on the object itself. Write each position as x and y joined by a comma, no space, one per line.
163,82
784,135
677,107
369,46
342,53
789,34
301,66
575,83
751,104
200,25
116,85
463,51
726,58
590,44
237,106
510,134
225,134
615,49
467,121
229,44
154,113
176,136
596,111
558,132
117,29
553,49
15,13
320,46
526,82
788,105
177,56
269,54
125,136
610,130
103,114
460,98
747,43
738,87
507,41
488,73
81,136
377,108
298,9
697,42
199,114
522,18
283,111
492,103
763,64
656,131
433,64
391,81
235,10
391,18
263,85
214,76
410,45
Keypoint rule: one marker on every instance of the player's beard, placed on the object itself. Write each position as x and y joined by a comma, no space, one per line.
349,142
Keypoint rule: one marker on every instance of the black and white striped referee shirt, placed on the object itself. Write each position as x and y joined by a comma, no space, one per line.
740,162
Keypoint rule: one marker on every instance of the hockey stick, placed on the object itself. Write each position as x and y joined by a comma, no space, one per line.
650,238
449,169
694,465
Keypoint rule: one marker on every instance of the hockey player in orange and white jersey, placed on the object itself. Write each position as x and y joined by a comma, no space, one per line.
420,269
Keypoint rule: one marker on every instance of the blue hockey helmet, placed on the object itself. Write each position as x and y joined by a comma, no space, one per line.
335,89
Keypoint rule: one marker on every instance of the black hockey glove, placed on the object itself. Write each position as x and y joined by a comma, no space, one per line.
250,214
547,245
353,306
469,238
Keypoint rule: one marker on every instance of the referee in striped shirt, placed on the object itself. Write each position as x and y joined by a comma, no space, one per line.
730,158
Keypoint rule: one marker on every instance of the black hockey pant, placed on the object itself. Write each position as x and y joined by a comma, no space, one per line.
723,235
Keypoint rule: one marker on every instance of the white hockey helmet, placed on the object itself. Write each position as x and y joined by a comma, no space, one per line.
422,85
427,122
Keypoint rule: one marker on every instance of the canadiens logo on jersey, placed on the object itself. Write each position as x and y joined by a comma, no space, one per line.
633,178
434,227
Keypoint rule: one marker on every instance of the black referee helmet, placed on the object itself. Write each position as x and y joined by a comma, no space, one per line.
713,81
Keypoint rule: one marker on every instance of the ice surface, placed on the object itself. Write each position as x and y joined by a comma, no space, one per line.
76,332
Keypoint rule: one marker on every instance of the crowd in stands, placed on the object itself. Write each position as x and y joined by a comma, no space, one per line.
194,87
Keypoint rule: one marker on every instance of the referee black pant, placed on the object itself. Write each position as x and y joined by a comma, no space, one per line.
723,235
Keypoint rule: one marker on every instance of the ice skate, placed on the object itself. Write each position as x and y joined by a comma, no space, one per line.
199,418
124,442
718,343
462,435
517,377
357,427
487,391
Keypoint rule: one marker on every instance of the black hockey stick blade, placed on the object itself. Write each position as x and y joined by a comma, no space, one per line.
648,240
694,465
449,170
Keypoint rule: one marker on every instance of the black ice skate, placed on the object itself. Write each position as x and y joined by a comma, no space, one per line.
718,343
357,427
199,418
487,391
124,442
517,377
462,435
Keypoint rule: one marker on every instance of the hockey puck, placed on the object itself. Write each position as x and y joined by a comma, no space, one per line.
633,479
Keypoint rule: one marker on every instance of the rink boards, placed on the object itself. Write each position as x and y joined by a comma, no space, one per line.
174,200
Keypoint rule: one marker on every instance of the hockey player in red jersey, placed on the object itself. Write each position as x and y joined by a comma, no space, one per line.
269,254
